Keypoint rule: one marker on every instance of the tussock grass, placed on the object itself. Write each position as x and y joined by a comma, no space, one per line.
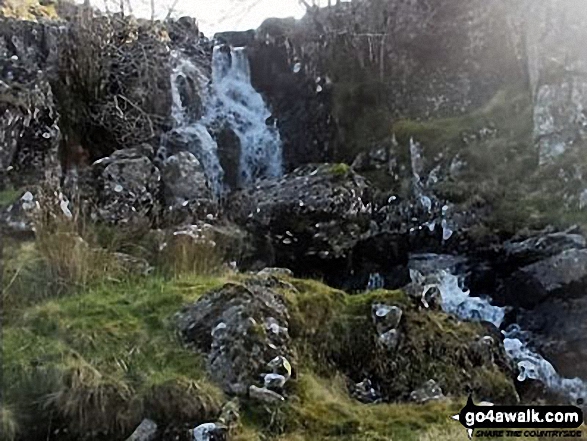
191,252
104,359
8,424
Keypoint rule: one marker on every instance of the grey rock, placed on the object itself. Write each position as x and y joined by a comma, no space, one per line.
563,275
365,392
390,339
559,332
227,324
274,382
17,218
309,218
184,179
428,392
146,431
265,395
126,190
386,317
280,365
524,251
280,272
133,265
209,432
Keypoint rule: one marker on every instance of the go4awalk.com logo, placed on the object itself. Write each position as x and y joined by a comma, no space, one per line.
520,421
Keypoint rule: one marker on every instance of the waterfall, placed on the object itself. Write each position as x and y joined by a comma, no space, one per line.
229,100
531,365
237,103
191,129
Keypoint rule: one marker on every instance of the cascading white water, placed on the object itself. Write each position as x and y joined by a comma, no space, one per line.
419,187
532,365
231,100
189,127
236,102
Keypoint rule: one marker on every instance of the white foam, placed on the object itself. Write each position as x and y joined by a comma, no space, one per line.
531,365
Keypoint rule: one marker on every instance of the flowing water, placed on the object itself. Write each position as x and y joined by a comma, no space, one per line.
457,301
229,100
237,103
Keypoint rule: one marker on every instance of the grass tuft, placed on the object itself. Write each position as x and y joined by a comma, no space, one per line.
8,424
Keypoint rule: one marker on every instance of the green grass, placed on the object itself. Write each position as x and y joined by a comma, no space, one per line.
103,359
9,196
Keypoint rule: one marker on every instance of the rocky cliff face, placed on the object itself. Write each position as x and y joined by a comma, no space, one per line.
29,121
557,68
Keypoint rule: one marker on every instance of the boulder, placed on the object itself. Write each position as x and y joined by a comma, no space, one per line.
16,219
527,250
563,275
209,432
228,325
264,395
311,219
184,179
146,431
125,187
428,392
29,130
559,332
365,392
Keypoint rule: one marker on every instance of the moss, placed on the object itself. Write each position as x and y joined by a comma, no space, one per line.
340,169
8,196
107,357
323,410
334,332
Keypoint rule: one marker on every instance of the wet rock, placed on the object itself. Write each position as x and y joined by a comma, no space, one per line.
235,38
265,395
563,275
229,155
311,218
146,431
559,330
209,432
227,324
428,392
184,179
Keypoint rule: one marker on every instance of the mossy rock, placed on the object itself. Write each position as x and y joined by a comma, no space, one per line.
336,333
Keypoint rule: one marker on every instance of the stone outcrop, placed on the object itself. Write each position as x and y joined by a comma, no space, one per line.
29,130
123,188
241,328
558,73
311,219
563,275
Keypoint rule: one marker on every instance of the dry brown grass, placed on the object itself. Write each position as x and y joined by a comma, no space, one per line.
192,251
8,424
93,401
